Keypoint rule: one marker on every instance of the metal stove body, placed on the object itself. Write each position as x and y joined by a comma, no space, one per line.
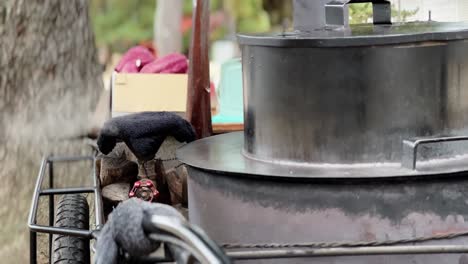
353,136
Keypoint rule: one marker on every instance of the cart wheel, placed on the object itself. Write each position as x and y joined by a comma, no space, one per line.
72,211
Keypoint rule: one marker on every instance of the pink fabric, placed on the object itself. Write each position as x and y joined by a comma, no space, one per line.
128,63
172,63
130,67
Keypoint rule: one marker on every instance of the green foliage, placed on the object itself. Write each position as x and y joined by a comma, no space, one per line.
405,14
260,22
122,23
249,15
362,13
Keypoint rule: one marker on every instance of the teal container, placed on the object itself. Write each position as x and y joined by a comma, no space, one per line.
230,95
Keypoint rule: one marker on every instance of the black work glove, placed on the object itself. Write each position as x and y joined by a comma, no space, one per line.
144,132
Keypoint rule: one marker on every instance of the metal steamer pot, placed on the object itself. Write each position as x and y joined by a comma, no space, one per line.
346,95
352,134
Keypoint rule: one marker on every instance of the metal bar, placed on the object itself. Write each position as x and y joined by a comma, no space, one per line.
410,148
51,206
309,15
210,243
32,218
32,247
382,13
34,228
35,197
70,158
98,207
61,231
67,191
337,13
337,252
181,230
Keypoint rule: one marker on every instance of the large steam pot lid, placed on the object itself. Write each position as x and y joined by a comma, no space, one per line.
362,35
223,154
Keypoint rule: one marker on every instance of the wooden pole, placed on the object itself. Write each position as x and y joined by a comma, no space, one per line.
198,94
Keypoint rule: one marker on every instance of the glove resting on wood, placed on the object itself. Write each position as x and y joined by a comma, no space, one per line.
144,132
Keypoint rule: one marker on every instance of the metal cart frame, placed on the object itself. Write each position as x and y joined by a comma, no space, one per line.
47,165
182,232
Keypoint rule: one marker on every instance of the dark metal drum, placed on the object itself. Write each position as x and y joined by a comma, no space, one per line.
239,200
234,209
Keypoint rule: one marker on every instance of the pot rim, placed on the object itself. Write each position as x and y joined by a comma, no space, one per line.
362,35
224,153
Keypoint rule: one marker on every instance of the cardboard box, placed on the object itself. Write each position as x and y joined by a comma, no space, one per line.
135,92
131,93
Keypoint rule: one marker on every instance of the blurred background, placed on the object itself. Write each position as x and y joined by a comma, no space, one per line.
120,24
56,59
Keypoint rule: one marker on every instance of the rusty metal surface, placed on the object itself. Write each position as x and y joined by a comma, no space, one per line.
234,209
224,153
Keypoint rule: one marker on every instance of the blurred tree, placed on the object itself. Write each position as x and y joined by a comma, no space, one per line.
47,51
167,27
49,82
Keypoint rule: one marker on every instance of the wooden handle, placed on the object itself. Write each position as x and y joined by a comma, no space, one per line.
198,94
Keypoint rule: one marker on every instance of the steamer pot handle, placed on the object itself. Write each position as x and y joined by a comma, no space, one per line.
337,11
410,148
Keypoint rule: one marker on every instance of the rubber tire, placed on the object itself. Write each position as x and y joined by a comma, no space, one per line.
72,211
